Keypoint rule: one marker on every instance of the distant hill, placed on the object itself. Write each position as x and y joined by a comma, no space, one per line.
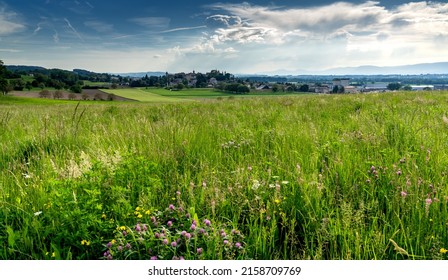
142,74
20,68
415,69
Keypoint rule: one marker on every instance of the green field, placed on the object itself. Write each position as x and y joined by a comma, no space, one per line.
294,177
143,95
159,95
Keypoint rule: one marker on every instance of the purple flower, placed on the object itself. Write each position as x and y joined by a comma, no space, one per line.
226,242
109,257
178,192
201,231
238,245
173,244
157,235
109,245
223,234
193,227
207,222
154,258
187,235
169,224
199,251
145,228
153,219
399,172
120,248
128,246
428,201
171,207
181,258
125,233
138,228
165,241
183,233
403,194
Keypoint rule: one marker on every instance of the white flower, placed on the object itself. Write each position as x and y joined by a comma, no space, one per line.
38,213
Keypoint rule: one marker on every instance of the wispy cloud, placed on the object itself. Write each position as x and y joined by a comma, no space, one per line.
99,26
9,22
183,29
69,25
152,22
10,50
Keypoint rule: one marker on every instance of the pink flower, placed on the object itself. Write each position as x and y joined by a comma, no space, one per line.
403,194
428,201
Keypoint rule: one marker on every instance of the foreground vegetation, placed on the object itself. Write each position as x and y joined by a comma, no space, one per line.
307,177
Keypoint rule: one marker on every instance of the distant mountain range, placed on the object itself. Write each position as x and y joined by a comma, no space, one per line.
141,74
414,69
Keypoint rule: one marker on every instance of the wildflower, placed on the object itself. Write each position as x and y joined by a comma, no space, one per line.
157,235
256,184
178,192
173,244
223,234
165,241
153,258
188,236
38,213
199,251
171,207
193,227
85,242
443,251
138,209
153,219
181,258
145,228
403,194
399,172
109,257
147,212
53,255
120,248
103,216
428,201
238,245
249,168
138,228
204,184
207,222
169,224
128,246
226,242
108,245
139,216
277,201
113,241
183,233
122,228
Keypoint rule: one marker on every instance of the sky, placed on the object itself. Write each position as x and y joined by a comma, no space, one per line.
274,37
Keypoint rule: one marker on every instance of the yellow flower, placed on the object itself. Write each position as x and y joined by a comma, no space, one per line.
277,201
139,216
147,212
137,209
103,216
122,228
443,251
113,241
53,255
83,242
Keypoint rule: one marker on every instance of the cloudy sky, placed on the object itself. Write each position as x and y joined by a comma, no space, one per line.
238,37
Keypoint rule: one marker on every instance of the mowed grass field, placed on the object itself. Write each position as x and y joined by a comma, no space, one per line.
294,177
159,95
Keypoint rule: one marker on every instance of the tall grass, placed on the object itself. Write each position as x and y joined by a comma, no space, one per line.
308,177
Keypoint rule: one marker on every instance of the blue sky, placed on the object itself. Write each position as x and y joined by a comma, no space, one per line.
238,37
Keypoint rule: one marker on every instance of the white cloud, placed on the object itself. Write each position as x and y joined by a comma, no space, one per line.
9,22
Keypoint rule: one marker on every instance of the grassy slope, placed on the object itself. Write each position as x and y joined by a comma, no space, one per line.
319,177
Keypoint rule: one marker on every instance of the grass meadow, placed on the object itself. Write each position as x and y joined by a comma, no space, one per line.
292,177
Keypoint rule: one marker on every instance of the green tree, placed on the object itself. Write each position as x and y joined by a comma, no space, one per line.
394,86
4,84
